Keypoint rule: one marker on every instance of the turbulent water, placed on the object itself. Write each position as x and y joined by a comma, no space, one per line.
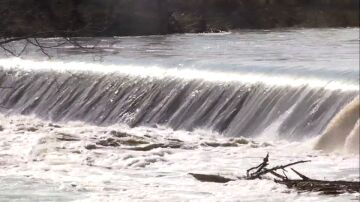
275,86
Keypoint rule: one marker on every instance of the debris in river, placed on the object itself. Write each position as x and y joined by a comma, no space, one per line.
322,186
211,178
261,169
303,184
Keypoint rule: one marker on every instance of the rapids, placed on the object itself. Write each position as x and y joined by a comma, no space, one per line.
70,125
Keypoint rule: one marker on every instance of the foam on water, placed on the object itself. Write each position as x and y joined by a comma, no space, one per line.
190,91
31,148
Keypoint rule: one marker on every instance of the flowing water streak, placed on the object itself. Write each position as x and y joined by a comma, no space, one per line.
287,83
342,133
234,104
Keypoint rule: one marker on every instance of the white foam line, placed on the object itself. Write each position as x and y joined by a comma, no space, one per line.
187,74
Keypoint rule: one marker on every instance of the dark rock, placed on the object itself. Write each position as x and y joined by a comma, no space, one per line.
109,142
133,142
174,140
90,147
66,137
157,145
119,134
216,144
114,142
147,147
32,129
174,145
1,128
60,148
240,141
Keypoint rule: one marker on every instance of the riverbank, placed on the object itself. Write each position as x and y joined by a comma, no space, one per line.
145,17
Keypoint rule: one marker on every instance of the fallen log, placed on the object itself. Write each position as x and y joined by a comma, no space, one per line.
322,186
211,178
304,184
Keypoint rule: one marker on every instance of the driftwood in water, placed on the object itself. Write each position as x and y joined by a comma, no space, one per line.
306,183
211,178
262,170
303,184
322,186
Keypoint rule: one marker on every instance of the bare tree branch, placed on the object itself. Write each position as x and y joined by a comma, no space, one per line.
300,175
260,166
304,184
12,39
7,50
33,39
265,171
41,48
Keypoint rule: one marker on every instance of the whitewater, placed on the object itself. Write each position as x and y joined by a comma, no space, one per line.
74,127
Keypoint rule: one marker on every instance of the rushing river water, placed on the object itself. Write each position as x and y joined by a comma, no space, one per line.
277,89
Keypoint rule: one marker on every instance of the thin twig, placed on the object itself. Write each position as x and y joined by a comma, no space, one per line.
285,174
260,166
8,50
300,175
265,171
278,175
24,48
41,48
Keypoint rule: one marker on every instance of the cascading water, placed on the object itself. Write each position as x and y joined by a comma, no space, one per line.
232,108
342,133
128,121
